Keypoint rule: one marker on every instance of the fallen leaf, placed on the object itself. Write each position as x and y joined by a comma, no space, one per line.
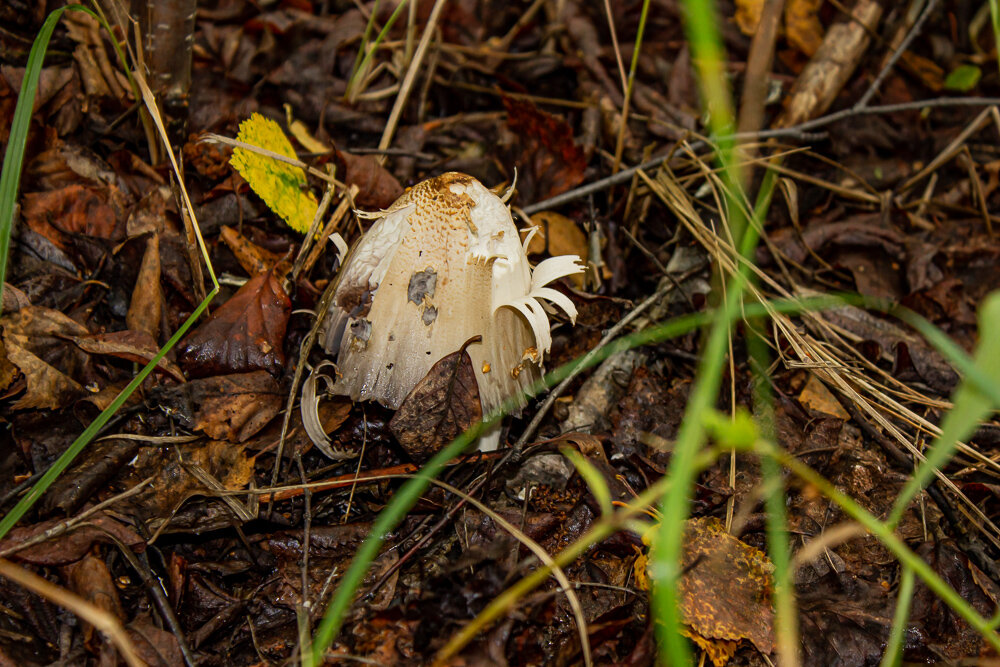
816,397
377,187
747,16
254,259
802,27
224,407
282,186
552,161
74,209
439,408
146,308
90,579
245,334
68,547
725,589
177,470
559,235
136,346
153,645
48,388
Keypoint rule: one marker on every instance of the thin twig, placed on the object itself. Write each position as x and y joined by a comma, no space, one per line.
897,54
411,76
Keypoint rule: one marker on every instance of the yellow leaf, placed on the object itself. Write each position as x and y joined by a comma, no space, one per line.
802,26
748,15
282,186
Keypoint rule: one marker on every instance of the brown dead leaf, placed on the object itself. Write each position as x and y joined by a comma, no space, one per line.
816,397
552,160
254,259
224,407
726,587
146,309
130,345
245,334
747,15
90,579
153,645
69,547
442,405
74,209
224,464
560,236
48,388
377,188
34,340
802,27
8,371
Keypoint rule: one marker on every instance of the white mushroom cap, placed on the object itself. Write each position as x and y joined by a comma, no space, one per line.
443,264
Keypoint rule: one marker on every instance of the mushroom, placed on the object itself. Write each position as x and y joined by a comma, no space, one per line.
441,265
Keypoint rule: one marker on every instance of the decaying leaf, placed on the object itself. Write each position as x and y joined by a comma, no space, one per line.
725,590
439,408
68,547
245,334
282,186
187,470
552,161
802,27
560,236
254,259
48,388
377,188
136,346
146,308
224,407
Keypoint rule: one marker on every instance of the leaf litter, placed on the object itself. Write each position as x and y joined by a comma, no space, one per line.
889,205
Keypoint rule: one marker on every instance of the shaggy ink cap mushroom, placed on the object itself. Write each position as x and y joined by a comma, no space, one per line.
441,265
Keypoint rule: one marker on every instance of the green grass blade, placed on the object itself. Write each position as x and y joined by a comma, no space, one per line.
893,655
13,159
10,179
971,407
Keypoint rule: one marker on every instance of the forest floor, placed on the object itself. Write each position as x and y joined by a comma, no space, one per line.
878,126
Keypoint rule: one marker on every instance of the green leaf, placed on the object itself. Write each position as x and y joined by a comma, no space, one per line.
963,78
282,186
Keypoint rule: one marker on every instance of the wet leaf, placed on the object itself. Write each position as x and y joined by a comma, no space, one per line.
74,209
246,334
224,407
146,308
48,388
726,586
223,464
552,161
72,546
136,346
377,188
282,186
439,408
90,579
254,259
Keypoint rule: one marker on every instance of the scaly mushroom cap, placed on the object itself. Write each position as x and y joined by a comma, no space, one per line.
443,264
